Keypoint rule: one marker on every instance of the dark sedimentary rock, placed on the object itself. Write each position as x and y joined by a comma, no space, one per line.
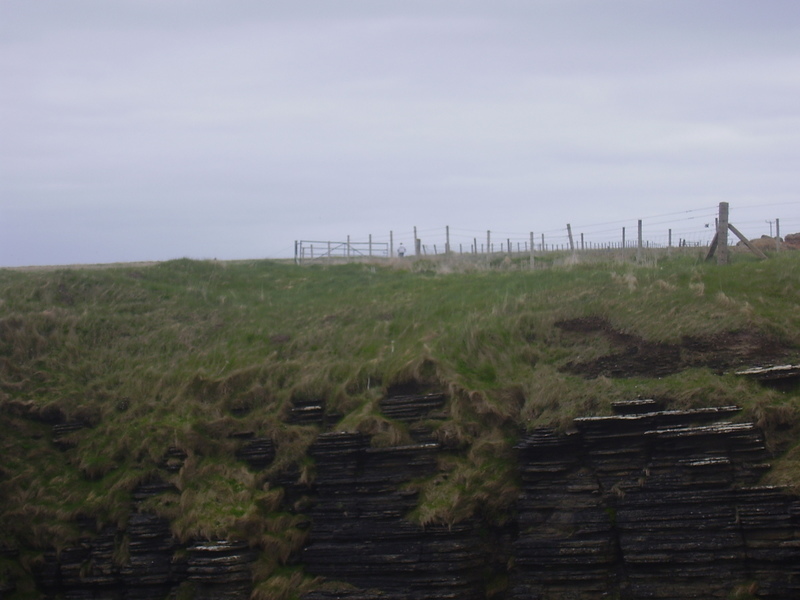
653,505
61,433
359,533
145,562
258,452
645,504
411,407
220,570
307,412
173,459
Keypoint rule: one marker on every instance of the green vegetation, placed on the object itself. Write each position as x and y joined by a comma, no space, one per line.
186,354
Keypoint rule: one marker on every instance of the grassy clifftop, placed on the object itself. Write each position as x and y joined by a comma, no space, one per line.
186,353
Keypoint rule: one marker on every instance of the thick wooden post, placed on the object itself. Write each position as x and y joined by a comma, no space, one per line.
447,239
722,234
639,243
777,235
532,254
569,233
391,244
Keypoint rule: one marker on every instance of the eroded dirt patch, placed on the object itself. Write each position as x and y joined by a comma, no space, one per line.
638,357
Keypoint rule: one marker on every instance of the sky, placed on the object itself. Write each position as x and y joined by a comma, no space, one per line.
148,130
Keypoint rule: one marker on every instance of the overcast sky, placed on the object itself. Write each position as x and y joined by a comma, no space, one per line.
157,129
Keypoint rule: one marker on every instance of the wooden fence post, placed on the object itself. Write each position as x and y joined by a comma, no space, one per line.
639,244
532,255
722,234
569,233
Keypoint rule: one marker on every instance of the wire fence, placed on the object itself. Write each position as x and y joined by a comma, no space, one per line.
684,229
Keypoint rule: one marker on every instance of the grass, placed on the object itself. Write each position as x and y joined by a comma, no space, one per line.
189,353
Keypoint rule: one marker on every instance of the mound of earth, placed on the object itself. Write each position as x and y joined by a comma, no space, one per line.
792,241
766,243
638,357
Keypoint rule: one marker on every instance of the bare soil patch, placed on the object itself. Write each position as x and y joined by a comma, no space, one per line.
638,357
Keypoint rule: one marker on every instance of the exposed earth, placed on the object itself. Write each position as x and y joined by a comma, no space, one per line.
638,357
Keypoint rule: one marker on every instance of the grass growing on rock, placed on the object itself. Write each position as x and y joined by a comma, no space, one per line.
191,354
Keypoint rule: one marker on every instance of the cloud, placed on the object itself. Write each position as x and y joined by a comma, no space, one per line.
210,128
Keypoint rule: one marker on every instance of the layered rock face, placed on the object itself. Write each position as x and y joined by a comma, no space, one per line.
659,504
155,567
644,504
360,534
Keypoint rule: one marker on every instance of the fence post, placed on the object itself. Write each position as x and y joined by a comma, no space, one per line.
571,242
391,244
623,238
474,245
370,245
582,246
639,243
777,235
532,257
722,234
542,248
447,239
348,247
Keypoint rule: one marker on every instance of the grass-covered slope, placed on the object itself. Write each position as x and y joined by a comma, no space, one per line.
185,353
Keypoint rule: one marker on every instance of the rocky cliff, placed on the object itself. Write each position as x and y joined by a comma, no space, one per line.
646,503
